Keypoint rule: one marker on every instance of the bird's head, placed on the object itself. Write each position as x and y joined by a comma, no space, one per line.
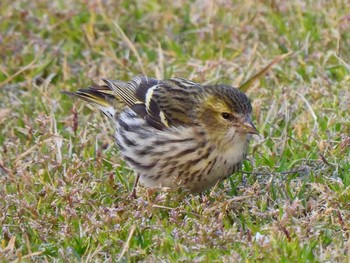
226,111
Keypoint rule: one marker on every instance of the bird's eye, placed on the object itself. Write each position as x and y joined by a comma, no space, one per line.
226,115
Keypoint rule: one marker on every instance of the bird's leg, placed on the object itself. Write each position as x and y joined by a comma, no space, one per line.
203,198
133,193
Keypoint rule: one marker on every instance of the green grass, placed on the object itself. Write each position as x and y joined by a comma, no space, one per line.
63,188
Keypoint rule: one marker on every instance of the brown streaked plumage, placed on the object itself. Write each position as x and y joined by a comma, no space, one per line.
176,133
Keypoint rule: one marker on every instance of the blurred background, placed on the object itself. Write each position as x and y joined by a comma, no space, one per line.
62,185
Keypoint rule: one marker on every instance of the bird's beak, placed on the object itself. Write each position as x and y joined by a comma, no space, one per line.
248,126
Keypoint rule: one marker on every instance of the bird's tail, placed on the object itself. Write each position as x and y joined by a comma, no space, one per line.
101,97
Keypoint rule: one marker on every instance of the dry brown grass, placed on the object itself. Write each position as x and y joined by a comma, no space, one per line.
63,187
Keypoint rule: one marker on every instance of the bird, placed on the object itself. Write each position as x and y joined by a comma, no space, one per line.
175,133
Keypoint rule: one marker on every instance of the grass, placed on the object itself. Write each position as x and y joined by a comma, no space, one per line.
63,186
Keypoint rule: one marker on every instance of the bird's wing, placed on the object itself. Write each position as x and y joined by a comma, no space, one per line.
162,103
101,97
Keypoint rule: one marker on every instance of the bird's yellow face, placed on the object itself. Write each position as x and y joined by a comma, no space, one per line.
221,120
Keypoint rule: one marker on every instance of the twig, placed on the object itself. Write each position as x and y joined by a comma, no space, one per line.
129,43
28,66
307,147
246,85
126,245
6,170
323,158
275,173
312,112
181,211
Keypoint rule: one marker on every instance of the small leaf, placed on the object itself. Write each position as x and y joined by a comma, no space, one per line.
246,85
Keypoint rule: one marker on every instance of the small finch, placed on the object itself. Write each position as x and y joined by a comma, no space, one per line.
176,133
